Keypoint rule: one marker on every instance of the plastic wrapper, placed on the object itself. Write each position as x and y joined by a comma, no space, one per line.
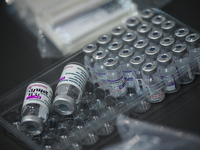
139,135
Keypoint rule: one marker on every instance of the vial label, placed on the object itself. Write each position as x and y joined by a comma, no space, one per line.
38,93
101,78
128,76
74,75
170,83
117,85
156,92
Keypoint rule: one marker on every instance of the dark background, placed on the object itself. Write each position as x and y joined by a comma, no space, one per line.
20,60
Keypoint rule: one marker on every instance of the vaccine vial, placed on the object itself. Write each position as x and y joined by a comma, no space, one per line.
168,73
168,28
132,23
167,44
155,36
125,55
180,34
158,20
117,33
151,53
140,46
89,61
103,42
114,48
147,14
193,48
35,109
143,30
181,60
129,38
100,71
70,88
136,63
115,78
153,83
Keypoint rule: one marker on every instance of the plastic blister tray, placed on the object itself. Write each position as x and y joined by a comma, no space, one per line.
10,105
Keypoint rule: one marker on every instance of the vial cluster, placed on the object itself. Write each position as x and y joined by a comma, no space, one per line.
150,55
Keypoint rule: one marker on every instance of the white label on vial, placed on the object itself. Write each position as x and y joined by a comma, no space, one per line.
156,93
128,76
74,75
102,79
117,85
38,93
170,83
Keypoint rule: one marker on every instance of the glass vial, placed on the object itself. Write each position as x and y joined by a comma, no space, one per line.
70,88
147,14
140,46
167,44
180,34
132,23
129,38
194,51
115,78
35,109
136,63
151,53
168,73
125,55
153,83
117,33
100,70
155,36
103,42
158,20
143,30
182,62
114,48
89,61
168,28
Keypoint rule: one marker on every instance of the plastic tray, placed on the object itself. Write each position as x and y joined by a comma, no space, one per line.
10,104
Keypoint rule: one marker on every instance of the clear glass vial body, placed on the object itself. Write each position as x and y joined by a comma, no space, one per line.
70,87
168,73
115,78
182,61
35,109
153,82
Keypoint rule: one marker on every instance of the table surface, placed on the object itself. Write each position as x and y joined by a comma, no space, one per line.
20,60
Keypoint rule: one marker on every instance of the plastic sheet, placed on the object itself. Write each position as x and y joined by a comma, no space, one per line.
139,135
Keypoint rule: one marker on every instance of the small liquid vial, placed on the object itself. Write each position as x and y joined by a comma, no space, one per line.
151,53
35,109
182,61
147,14
129,38
103,42
100,71
117,33
89,61
167,44
168,73
140,46
115,78
153,83
70,88
114,48
158,20
136,63
143,30
168,28
193,48
180,34
132,23
155,36
125,55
